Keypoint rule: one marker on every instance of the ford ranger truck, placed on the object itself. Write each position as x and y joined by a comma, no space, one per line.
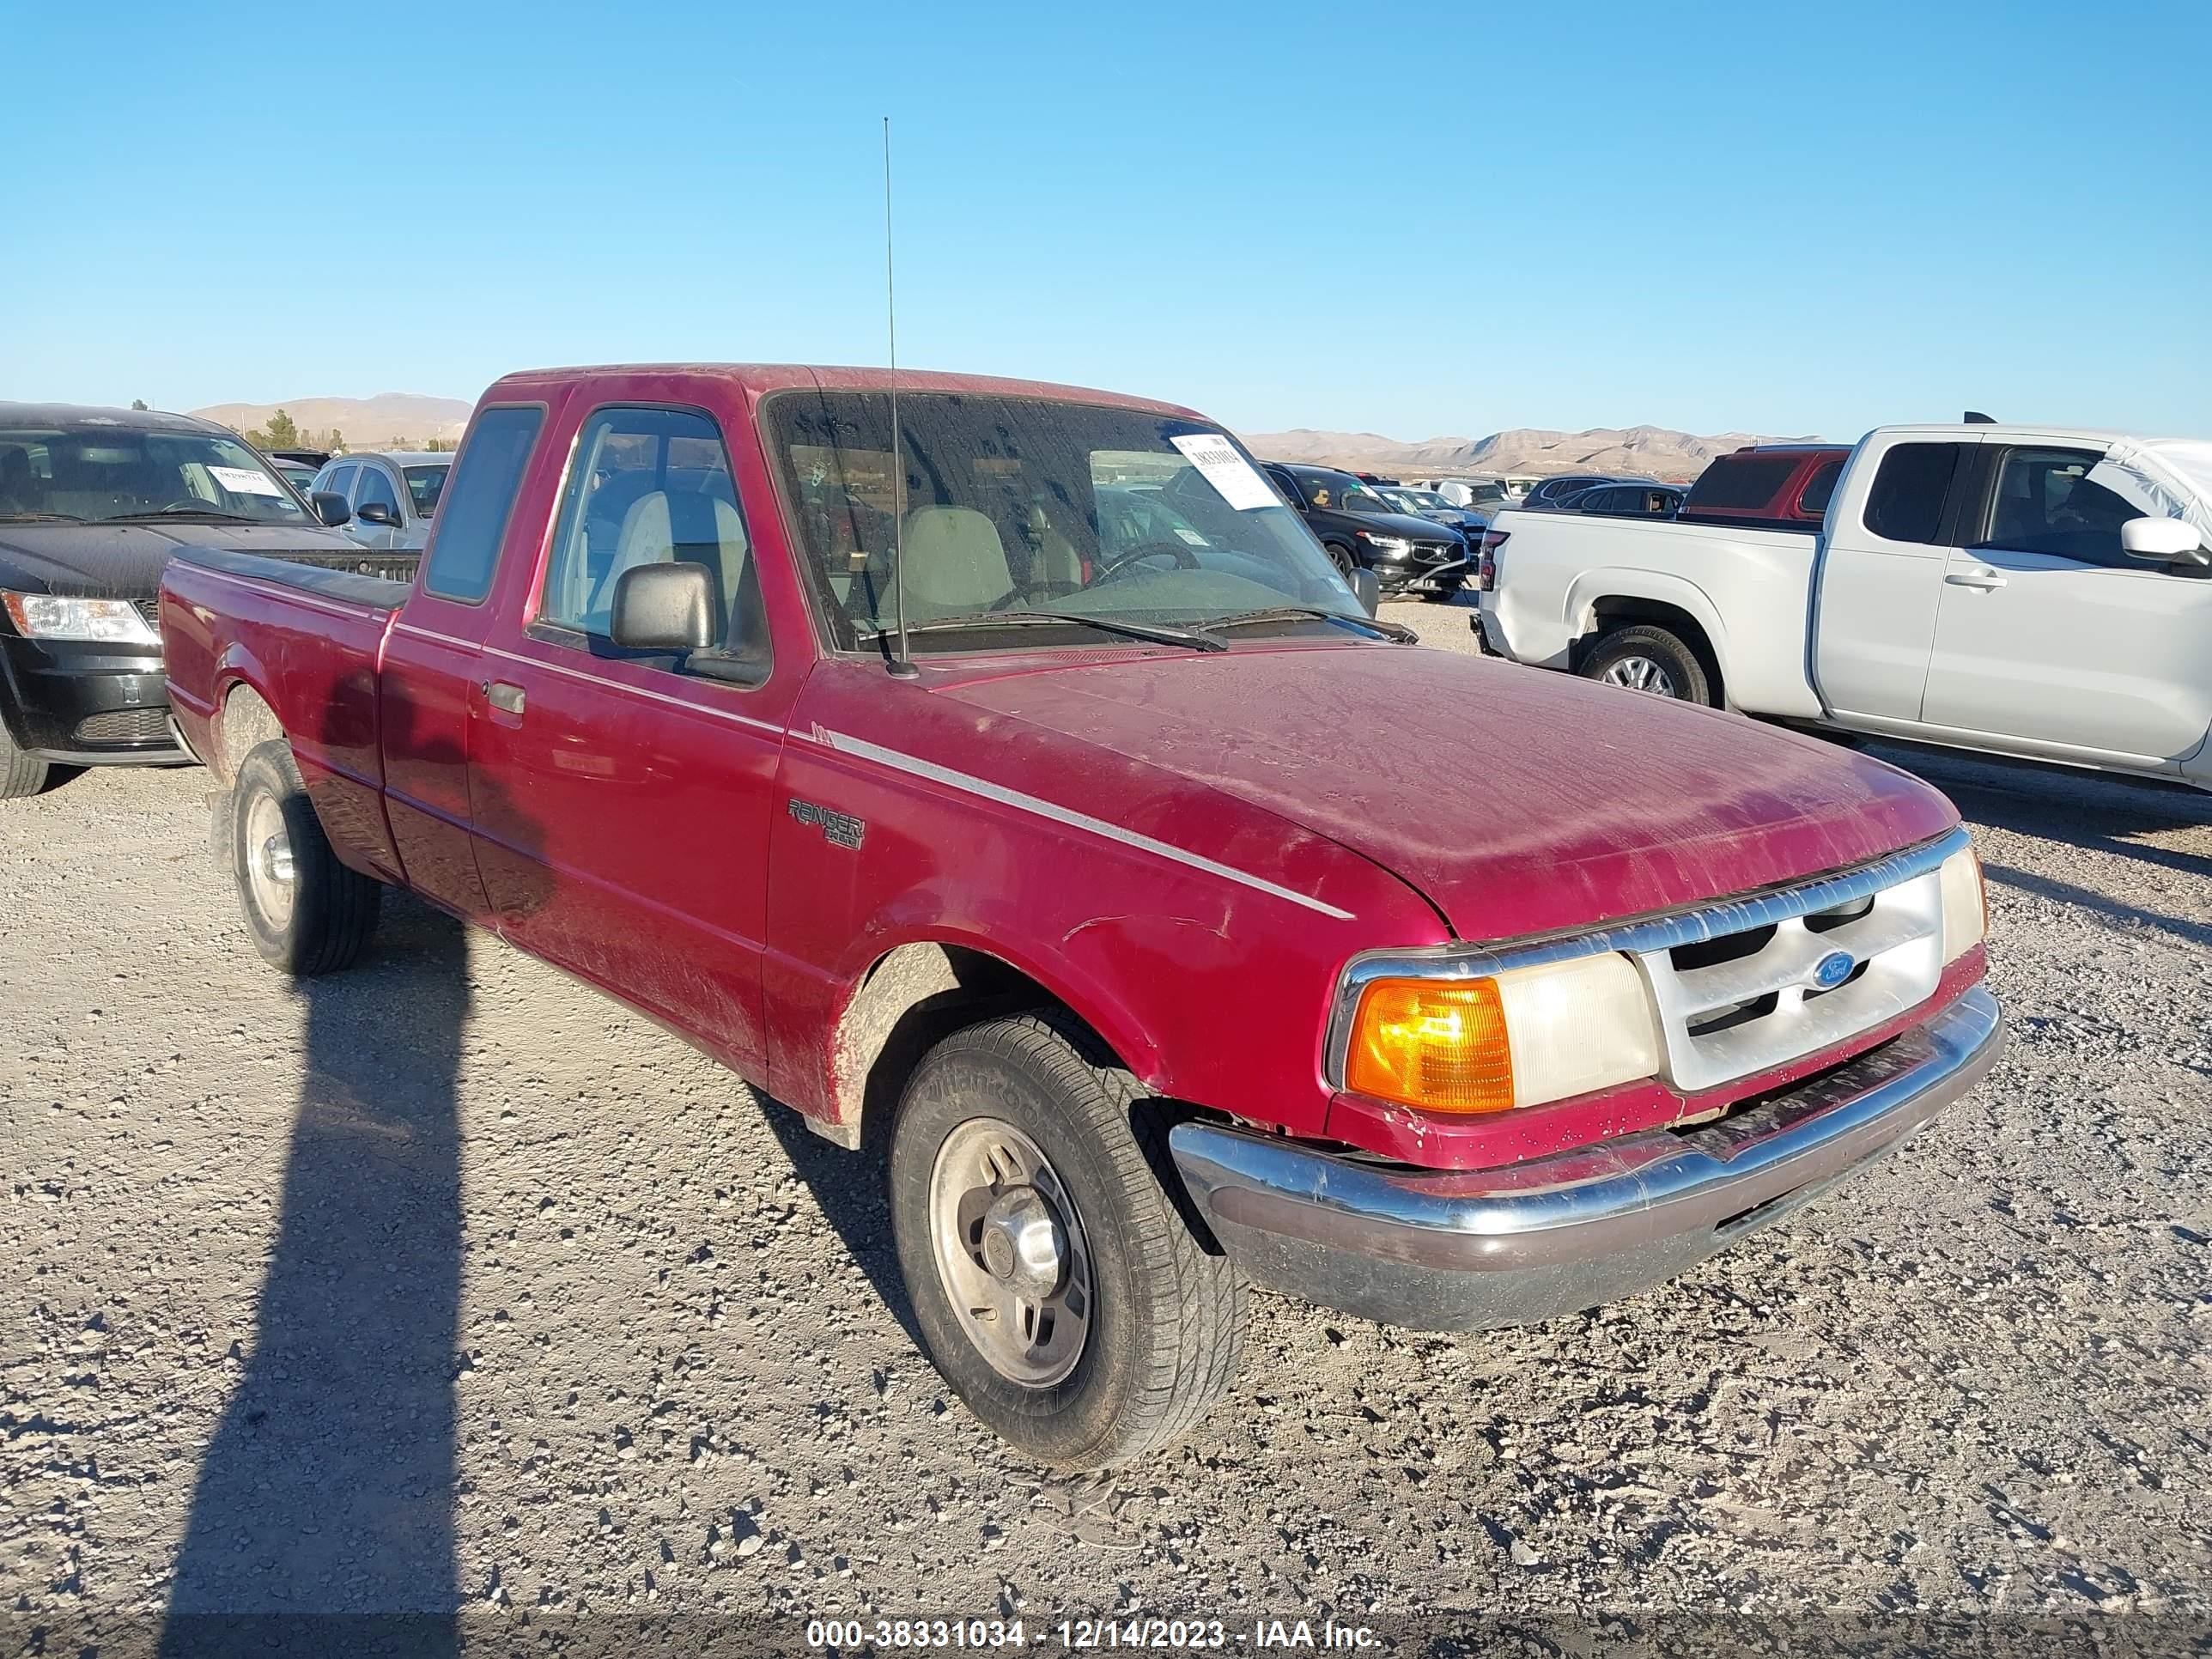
2038,591
1064,894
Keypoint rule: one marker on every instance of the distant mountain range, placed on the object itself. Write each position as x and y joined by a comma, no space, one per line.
366,422
1657,452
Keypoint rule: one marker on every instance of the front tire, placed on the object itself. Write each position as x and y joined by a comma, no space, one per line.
1055,1284
1646,658
1340,557
20,774
308,913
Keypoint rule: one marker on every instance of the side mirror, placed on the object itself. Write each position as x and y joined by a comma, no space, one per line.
330,507
378,513
2164,541
1366,590
664,607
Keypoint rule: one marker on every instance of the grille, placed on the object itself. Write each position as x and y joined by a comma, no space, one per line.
126,726
1436,552
150,609
1736,1003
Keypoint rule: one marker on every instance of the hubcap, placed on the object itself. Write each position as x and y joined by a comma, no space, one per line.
269,866
1641,674
1009,1252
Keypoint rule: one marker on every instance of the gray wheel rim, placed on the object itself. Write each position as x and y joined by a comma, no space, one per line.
270,878
1011,1252
1641,674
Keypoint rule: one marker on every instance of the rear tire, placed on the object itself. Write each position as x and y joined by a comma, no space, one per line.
1644,657
308,913
1056,1285
20,774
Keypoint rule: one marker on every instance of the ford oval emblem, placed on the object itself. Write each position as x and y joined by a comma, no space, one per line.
1833,969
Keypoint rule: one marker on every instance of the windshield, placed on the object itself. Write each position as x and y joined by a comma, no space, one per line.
1022,505
424,484
1417,500
96,472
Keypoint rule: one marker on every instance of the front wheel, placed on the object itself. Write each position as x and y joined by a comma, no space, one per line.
1338,556
308,913
1651,660
1055,1284
20,774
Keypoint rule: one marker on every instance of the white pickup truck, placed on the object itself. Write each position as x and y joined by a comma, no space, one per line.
2030,590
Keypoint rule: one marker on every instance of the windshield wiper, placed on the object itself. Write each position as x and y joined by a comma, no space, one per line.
1387,630
40,518
178,510
1156,633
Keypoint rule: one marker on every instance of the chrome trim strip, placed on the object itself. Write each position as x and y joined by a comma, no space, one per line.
1661,933
1605,1199
1045,808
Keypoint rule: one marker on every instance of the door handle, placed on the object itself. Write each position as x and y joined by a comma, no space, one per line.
1977,575
507,699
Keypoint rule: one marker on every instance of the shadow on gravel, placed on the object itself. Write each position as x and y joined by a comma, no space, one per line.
328,1487
851,1189
2065,892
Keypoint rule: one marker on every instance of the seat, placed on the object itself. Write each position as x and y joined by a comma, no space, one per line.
664,525
955,564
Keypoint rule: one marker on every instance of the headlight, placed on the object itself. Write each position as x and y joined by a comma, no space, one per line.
1965,904
54,617
1516,1038
1390,547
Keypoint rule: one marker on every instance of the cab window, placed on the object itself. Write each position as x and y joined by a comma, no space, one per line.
2045,503
648,486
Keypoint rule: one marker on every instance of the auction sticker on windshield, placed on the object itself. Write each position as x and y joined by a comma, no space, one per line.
1230,473
244,481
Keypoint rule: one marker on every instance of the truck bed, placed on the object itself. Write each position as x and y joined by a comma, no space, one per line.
314,637
1749,592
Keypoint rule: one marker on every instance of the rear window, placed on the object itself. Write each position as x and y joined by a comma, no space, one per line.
473,523
1740,481
1907,500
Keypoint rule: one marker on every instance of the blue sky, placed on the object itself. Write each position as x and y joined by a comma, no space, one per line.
1413,219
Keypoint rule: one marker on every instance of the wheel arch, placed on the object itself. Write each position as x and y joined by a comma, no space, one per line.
1606,600
913,994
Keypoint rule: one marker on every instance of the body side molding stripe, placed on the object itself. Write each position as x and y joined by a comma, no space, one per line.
1014,798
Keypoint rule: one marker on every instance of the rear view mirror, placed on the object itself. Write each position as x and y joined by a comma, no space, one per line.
377,512
664,607
2165,541
1365,589
330,507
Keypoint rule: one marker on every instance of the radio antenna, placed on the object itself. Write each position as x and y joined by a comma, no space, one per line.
901,666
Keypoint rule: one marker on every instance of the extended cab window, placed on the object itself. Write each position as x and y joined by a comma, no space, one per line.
1911,491
2045,503
647,486
486,479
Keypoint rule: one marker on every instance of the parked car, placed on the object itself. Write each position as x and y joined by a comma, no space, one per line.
1552,492
388,498
1770,486
1428,504
1619,501
2035,591
1070,893
93,502
298,474
1359,530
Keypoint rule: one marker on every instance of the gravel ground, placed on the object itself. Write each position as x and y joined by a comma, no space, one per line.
447,1283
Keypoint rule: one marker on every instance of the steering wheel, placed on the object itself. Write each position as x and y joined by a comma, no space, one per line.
1180,552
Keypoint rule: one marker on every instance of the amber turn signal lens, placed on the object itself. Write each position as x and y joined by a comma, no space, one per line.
1439,1045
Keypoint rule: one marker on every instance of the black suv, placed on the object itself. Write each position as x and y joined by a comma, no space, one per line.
93,502
1360,530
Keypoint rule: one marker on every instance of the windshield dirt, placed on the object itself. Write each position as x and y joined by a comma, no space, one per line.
98,474
1045,508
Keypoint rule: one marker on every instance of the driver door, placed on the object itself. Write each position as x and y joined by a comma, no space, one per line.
2051,642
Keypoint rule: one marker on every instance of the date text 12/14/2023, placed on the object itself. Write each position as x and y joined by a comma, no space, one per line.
1083,1635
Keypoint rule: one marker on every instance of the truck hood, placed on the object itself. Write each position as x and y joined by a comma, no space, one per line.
1518,802
124,561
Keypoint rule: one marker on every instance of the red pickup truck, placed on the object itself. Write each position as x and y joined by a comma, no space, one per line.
1077,894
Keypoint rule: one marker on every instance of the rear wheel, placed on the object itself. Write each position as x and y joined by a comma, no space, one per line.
1056,1285
308,913
1646,658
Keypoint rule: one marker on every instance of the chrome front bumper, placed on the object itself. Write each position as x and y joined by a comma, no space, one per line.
1556,1235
